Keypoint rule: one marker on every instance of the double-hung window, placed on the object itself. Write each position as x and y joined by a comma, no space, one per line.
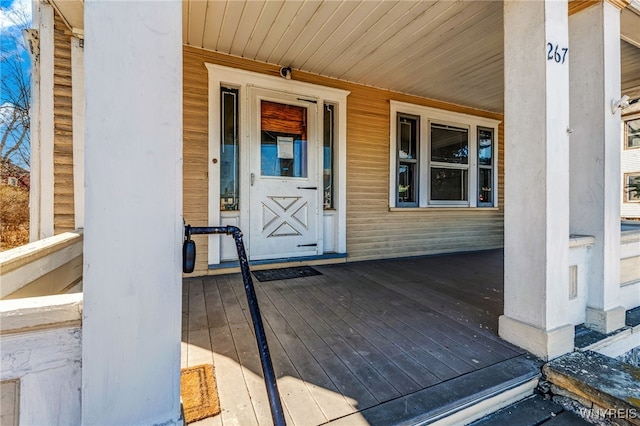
632,134
448,164
632,187
441,158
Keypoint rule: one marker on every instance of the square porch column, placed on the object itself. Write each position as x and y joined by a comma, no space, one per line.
133,204
595,155
536,276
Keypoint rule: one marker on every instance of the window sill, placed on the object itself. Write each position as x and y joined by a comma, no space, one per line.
441,209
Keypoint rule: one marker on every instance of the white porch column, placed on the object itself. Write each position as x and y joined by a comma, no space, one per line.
595,155
536,177
133,205
42,132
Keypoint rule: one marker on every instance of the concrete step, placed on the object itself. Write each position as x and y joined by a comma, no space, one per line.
460,400
532,411
603,385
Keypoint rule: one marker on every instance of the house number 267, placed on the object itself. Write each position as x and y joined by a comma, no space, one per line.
556,53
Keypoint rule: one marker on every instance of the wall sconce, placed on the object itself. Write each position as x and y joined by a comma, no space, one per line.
285,72
619,104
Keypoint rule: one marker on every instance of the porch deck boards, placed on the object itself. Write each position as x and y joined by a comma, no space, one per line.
352,338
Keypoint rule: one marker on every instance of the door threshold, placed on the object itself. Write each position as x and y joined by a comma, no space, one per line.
282,262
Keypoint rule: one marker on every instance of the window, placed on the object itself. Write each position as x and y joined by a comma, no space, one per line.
229,159
632,133
441,158
284,140
408,153
449,163
485,166
632,187
328,153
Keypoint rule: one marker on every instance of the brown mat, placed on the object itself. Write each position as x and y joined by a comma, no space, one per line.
199,393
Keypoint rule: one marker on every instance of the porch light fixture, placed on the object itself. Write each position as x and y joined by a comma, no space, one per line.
285,72
619,104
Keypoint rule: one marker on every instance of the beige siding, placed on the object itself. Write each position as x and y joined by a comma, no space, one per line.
372,230
196,151
63,209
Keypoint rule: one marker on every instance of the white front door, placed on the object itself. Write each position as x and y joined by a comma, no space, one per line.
285,186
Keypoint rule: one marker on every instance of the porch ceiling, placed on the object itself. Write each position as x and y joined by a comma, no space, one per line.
630,69
451,51
439,49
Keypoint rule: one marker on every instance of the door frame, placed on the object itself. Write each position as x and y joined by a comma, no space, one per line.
242,79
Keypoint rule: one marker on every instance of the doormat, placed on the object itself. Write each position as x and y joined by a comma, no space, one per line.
199,393
285,273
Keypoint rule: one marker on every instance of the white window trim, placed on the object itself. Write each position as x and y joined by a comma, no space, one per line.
625,132
430,115
241,79
77,98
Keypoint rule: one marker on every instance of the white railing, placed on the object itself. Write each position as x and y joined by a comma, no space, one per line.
579,259
41,331
49,266
40,371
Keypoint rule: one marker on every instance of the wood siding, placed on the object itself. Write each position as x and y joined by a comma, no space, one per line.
373,231
196,151
63,207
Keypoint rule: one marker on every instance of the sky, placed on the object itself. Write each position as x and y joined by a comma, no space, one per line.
11,39
11,42
9,6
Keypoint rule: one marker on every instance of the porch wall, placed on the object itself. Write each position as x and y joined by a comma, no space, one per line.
63,207
372,230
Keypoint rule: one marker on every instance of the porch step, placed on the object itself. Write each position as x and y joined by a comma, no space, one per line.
532,411
598,382
459,400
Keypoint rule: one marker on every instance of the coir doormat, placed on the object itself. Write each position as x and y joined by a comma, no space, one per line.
285,273
199,393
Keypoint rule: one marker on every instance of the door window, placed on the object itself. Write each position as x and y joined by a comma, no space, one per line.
283,145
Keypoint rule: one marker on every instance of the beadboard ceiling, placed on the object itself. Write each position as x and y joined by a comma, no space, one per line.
446,50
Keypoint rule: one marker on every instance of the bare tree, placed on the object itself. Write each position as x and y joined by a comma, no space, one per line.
15,89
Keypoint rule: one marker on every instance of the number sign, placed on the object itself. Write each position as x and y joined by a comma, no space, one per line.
556,53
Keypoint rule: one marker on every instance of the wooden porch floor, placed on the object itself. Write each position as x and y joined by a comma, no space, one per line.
352,338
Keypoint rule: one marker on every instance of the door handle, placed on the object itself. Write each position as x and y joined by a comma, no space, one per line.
253,178
315,188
